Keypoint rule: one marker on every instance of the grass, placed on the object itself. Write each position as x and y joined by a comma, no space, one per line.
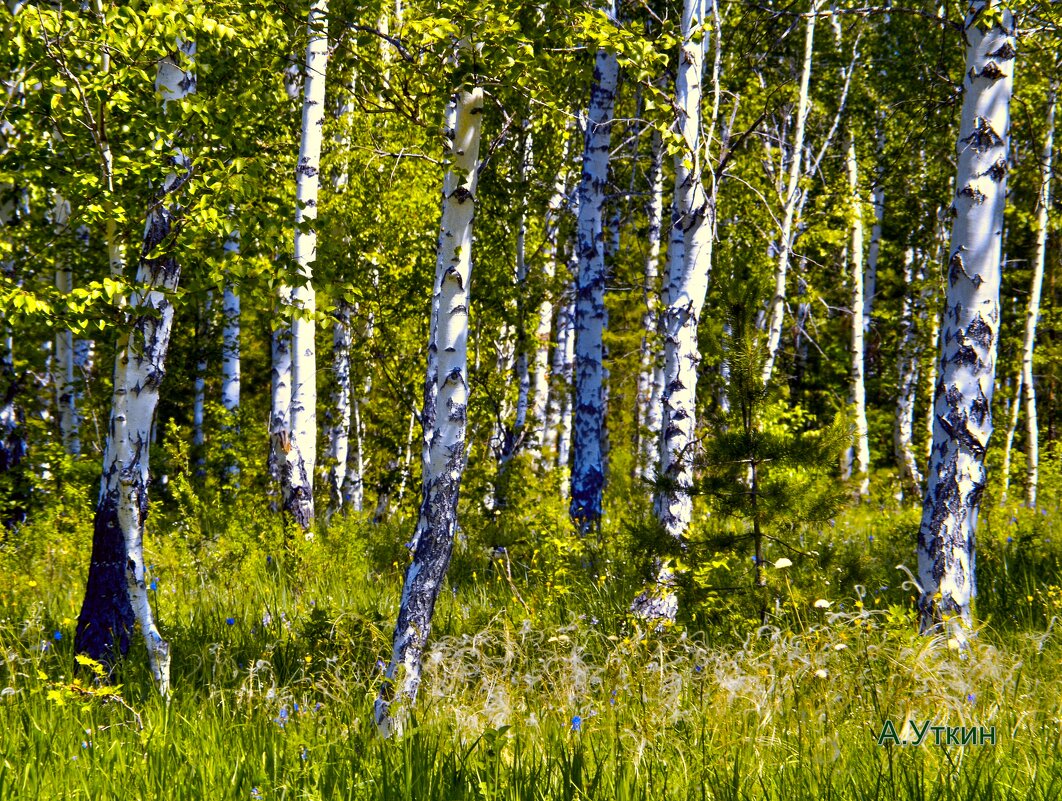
556,694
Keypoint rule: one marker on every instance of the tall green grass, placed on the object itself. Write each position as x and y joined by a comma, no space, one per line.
539,689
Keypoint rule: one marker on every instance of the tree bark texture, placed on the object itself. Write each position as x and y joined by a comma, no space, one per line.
588,478
445,440
963,395
116,594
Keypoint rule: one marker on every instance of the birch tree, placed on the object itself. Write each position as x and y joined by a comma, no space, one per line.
963,395
689,266
857,457
776,315
230,346
447,395
1032,314
907,379
65,387
300,451
116,594
651,373
588,477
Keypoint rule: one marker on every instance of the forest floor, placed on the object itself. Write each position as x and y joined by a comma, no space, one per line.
536,687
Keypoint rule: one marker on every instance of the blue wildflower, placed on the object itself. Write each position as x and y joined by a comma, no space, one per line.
871,538
304,754
58,636
256,793
1010,540
154,584
231,621
577,723
296,705
317,707
971,697
697,668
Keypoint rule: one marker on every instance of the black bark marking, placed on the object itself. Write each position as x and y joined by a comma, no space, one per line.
998,171
1005,52
983,137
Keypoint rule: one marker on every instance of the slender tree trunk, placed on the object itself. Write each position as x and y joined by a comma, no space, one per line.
540,392
907,381
647,403
857,459
1014,411
792,193
199,385
230,351
433,540
302,455
877,201
690,263
963,398
65,387
339,435
116,594
588,477
1032,434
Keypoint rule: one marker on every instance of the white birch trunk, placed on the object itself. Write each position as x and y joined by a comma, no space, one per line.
339,435
587,482
877,202
963,398
647,402
690,263
65,386
543,330
434,537
907,381
857,458
1032,315
776,317
304,299
1014,411
230,337
199,386
116,595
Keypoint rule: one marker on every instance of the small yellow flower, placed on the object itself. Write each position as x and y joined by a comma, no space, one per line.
33,583
822,674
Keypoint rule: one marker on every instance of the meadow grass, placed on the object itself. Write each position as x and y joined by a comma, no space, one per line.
541,687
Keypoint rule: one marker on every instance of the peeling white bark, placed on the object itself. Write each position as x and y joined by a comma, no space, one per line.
445,452
963,398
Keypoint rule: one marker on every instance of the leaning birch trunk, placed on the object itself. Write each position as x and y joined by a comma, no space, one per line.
65,386
442,469
963,398
339,435
857,459
689,265
776,319
647,403
1032,435
302,455
907,382
588,477
230,352
116,593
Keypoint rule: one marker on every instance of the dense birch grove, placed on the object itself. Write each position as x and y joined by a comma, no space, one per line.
665,230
